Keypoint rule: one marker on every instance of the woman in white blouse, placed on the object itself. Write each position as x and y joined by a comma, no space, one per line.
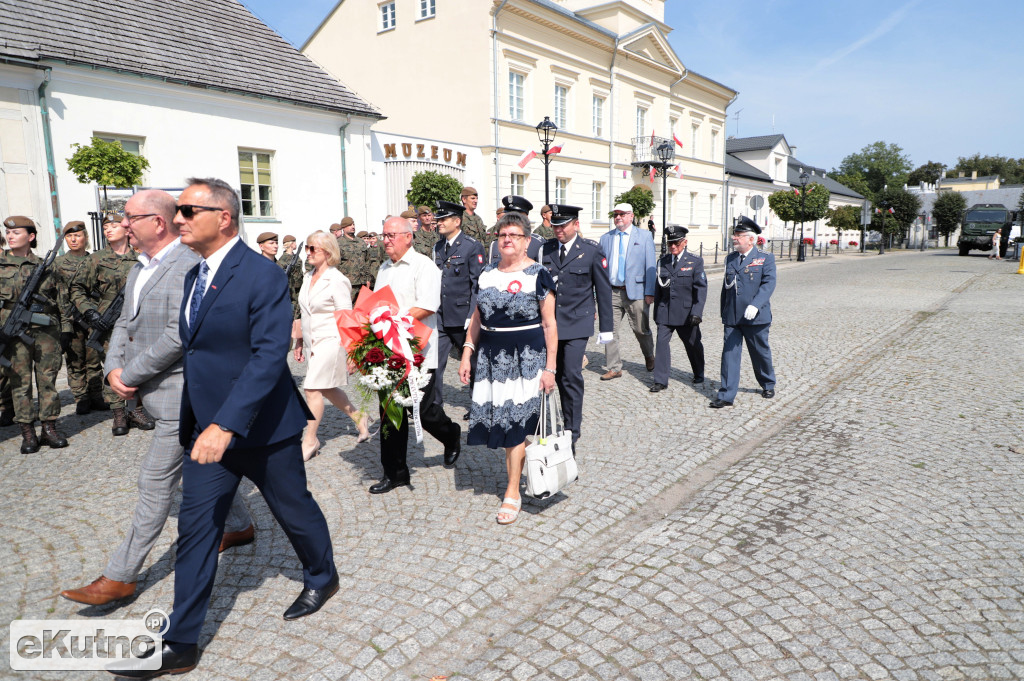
324,290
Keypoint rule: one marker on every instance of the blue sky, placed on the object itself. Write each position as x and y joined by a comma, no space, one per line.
941,78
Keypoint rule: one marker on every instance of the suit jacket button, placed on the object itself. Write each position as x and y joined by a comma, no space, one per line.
191,351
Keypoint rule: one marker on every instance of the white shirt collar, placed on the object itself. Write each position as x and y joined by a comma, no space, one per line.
451,241
569,244
217,257
629,228
149,263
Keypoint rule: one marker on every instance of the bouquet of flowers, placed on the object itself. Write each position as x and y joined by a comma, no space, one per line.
383,343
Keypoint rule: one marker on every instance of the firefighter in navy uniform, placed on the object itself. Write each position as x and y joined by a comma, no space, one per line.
515,204
460,258
679,294
580,271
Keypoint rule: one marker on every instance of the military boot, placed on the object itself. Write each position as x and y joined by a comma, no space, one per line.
138,418
29,441
98,403
6,418
120,426
82,407
49,435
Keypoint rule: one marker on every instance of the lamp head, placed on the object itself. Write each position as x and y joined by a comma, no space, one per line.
546,131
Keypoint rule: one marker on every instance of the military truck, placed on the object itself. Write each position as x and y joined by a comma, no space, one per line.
980,222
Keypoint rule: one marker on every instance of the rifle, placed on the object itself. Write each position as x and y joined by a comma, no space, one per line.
109,318
295,259
22,315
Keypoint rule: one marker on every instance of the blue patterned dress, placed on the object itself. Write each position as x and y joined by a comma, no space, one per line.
510,358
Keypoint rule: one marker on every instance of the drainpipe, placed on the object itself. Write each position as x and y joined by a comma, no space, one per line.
344,173
725,183
611,127
51,167
494,67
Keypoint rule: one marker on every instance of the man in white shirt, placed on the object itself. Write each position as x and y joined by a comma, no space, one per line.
415,282
144,359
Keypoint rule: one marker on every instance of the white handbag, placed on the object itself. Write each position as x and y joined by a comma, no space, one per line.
550,463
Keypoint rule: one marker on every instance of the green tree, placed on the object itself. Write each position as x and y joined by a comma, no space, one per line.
872,168
786,205
428,187
106,164
948,211
844,219
905,207
930,173
641,198
1010,170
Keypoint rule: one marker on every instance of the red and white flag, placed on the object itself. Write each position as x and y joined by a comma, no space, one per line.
526,158
892,211
679,172
652,138
678,141
652,174
797,192
555,150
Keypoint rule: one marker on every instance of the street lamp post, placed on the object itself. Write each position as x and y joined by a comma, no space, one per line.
546,131
801,256
666,153
884,207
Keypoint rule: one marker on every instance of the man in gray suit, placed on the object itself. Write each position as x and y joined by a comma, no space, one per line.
144,360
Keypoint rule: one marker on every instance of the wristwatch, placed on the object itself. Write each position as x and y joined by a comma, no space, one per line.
550,371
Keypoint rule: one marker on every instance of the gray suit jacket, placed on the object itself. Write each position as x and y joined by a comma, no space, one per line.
145,344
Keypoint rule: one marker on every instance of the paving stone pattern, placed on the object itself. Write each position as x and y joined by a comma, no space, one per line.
866,523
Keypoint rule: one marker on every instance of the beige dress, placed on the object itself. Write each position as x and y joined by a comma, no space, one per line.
326,364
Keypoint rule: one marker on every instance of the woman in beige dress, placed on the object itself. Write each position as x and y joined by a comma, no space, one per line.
324,291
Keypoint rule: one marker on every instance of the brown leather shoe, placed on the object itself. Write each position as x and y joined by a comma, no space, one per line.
138,418
100,592
610,375
240,538
29,441
120,426
50,436
649,361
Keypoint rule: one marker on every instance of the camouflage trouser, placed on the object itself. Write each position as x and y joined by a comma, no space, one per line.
85,371
109,396
43,359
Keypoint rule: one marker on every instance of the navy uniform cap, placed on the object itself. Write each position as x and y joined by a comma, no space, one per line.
563,215
676,232
745,224
516,204
447,209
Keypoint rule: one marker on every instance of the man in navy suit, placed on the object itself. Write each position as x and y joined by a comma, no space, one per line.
580,271
241,415
632,271
746,313
679,306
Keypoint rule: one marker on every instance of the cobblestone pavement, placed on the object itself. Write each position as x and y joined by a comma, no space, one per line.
866,523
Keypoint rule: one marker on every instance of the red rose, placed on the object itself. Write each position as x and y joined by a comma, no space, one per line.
374,356
396,362
417,359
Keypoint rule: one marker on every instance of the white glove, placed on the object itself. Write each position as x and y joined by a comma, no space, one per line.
750,312
605,337
465,325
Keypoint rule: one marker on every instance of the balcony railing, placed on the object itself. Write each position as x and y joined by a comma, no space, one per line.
646,152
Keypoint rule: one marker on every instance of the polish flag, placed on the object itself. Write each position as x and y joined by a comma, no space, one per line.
677,140
555,150
679,172
797,192
526,158
892,211
652,174
652,138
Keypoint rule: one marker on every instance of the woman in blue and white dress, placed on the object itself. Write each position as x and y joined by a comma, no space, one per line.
514,336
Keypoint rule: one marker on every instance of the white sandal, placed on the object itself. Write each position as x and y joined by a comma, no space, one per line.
509,514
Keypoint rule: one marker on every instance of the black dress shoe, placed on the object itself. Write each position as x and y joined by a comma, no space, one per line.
698,379
311,600
175,658
658,387
718,404
454,447
386,485
767,394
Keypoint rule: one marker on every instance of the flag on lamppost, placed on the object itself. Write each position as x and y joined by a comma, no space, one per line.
555,150
653,171
652,138
526,158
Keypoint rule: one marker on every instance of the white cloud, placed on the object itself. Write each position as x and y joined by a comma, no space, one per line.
886,25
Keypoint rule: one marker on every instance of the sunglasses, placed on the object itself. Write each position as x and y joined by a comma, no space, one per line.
310,249
188,210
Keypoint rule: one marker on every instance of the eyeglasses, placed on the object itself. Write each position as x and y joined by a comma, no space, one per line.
391,236
514,237
130,219
188,210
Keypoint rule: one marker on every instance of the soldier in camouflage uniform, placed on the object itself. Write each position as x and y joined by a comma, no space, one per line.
544,229
85,371
422,240
6,401
93,289
294,275
354,263
43,358
472,224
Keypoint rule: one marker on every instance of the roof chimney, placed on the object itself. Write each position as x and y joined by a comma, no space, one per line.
974,174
